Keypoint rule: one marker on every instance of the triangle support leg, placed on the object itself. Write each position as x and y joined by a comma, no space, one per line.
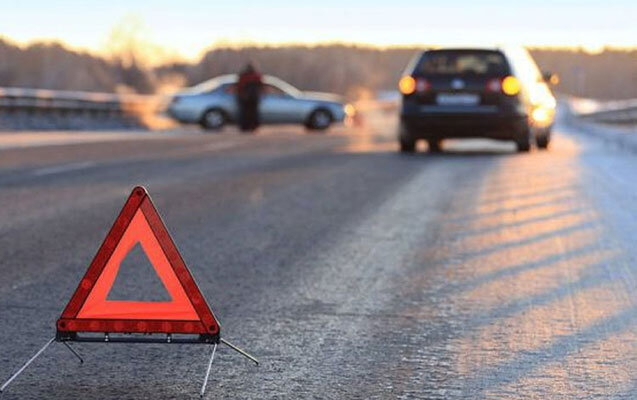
75,353
240,351
205,381
4,386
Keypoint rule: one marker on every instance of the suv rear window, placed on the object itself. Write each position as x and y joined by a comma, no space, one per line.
462,62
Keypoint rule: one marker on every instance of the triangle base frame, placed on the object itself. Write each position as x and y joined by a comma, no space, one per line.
64,336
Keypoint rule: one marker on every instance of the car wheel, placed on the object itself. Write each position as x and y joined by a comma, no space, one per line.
407,145
523,141
213,119
319,120
523,147
434,145
405,139
543,140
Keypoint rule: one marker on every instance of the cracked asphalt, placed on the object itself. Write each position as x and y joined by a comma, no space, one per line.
349,270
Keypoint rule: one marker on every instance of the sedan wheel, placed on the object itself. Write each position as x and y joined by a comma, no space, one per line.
213,119
320,120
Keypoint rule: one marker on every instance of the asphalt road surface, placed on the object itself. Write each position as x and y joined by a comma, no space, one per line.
350,270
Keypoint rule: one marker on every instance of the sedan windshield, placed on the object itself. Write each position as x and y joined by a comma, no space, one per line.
212,84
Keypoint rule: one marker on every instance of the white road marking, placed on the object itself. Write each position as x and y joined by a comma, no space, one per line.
63,168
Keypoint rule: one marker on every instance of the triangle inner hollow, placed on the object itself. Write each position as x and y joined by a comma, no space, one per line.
99,306
137,280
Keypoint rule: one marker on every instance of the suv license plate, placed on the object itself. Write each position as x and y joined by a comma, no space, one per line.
461,99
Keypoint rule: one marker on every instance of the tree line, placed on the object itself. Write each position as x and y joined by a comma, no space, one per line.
350,70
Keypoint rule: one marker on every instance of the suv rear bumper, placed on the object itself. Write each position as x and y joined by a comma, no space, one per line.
419,121
441,126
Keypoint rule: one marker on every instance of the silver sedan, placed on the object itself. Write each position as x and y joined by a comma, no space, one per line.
213,104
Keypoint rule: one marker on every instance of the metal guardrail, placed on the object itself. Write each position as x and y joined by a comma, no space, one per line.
93,103
614,112
42,100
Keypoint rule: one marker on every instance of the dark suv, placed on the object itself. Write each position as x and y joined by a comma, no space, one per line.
462,93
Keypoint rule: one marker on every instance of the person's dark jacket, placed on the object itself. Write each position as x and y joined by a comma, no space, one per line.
249,86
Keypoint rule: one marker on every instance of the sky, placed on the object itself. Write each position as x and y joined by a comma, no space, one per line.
186,28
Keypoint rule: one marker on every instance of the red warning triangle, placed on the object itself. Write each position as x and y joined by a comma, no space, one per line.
89,310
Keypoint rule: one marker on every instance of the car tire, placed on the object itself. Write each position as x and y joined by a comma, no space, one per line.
434,145
407,145
319,120
213,120
523,140
406,141
523,146
542,141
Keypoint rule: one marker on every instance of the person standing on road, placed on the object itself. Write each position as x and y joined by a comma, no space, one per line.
249,88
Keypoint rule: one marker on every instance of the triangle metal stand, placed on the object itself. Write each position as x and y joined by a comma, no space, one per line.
106,339
212,357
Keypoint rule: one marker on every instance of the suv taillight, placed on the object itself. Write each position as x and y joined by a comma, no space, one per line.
422,85
494,85
408,85
509,85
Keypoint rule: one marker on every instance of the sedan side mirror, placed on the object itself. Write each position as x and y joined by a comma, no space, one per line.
550,78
